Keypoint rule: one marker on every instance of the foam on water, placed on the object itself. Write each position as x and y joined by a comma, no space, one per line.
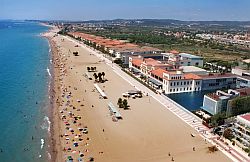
46,123
48,72
42,143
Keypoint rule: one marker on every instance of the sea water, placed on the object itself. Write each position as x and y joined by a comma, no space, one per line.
24,84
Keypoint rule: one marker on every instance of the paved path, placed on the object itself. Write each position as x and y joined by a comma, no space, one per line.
185,115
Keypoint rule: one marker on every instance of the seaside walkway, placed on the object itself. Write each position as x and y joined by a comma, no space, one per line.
185,115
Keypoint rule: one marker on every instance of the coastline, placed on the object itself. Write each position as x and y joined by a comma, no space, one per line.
55,145
67,81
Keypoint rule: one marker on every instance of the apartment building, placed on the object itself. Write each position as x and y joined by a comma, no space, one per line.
242,131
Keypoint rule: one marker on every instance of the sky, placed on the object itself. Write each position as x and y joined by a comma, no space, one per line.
126,9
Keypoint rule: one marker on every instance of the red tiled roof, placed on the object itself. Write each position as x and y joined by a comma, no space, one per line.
174,52
213,96
191,76
158,72
137,62
246,116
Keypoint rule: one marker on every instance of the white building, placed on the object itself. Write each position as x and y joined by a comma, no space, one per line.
178,82
190,60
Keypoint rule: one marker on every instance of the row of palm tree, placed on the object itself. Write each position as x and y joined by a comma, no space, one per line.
122,103
91,69
99,76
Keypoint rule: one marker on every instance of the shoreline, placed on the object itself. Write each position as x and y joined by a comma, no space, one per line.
54,142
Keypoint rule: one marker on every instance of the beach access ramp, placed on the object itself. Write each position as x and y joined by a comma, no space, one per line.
114,110
100,91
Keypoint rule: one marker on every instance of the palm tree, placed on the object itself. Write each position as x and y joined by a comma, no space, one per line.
119,103
100,77
103,74
125,103
95,75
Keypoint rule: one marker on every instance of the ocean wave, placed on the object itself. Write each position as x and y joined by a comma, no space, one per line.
42,143
46,123
48,72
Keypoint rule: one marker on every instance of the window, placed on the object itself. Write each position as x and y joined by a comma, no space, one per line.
184,83
181,83
174,83
171,84
176,89
170,90
177,83
180,89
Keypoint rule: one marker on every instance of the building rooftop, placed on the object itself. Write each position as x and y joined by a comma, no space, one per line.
246,117
192,69
137,62
246,61
189,55
244,91
174,52
158,72
191,76
218,75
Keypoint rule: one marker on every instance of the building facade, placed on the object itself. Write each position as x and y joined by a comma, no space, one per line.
242,131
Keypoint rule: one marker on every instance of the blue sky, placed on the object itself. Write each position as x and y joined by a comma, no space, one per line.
129,9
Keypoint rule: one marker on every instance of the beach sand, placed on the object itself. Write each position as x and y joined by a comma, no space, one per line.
148,131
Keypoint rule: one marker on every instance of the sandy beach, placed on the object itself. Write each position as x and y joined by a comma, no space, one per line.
148,131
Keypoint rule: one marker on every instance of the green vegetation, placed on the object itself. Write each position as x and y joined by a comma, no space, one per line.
218,119
122,103
240,105
228,133
164,38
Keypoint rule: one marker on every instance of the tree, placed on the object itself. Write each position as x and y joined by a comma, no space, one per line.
88,68
100,77
218,119
96,76
119,103
92,68
125,103
228,133
103,74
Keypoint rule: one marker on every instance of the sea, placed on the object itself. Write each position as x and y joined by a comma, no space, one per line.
24,92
